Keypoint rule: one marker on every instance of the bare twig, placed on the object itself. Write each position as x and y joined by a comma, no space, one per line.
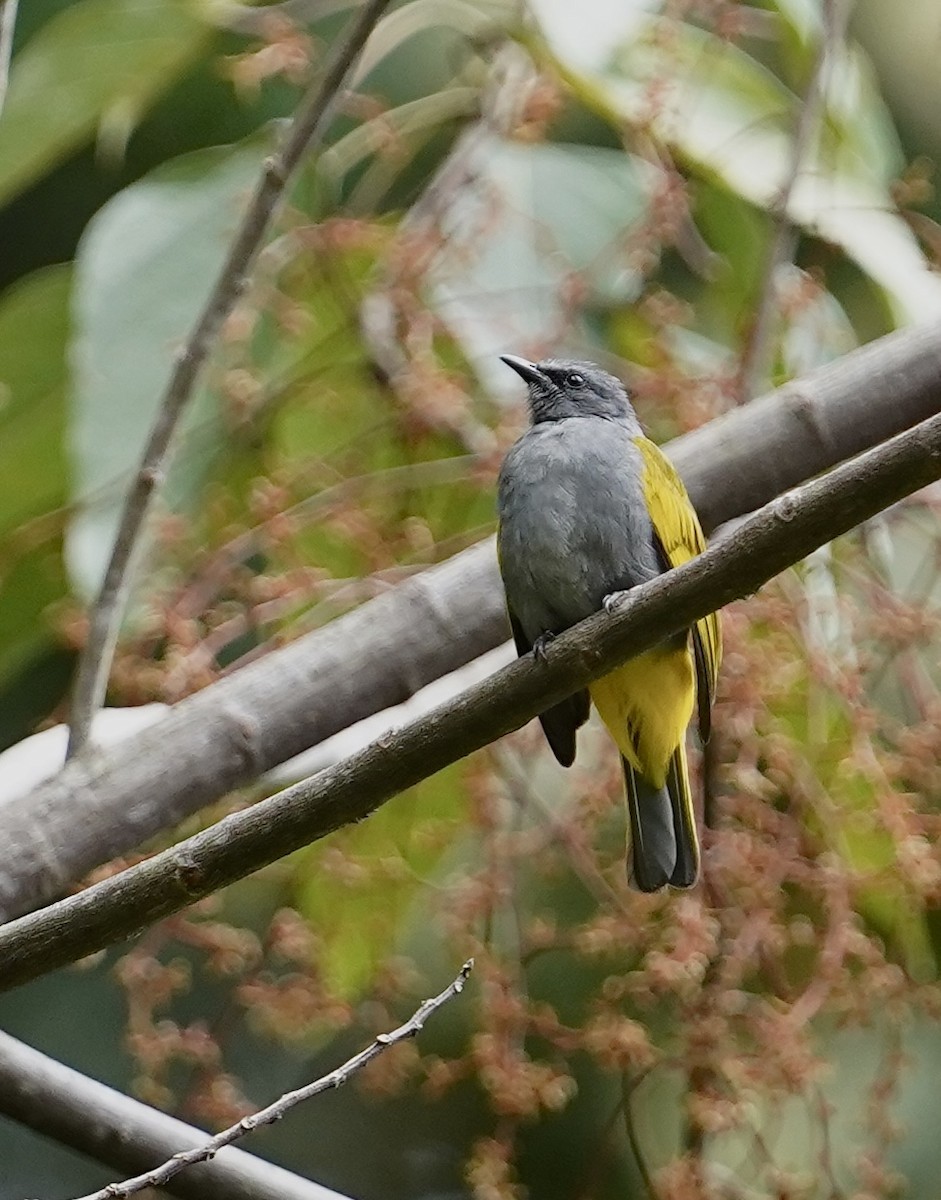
162,1175
753,370
126,1135
630,1126
306,132
764,544
7,28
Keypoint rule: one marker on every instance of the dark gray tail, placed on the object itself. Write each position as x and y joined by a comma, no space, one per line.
664,844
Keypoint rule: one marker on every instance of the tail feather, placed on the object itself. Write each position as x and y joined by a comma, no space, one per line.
664,844
686,871
562,722
652,858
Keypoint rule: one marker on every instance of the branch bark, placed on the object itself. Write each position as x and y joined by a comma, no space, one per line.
781,533
62,1104
389,648
307,130
7,30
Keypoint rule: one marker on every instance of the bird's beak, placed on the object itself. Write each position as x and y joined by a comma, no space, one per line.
524,368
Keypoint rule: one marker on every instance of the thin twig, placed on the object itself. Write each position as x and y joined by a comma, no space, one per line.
753,369
7,27
824,1113
306,132
781,533
161,1176
637,1151
629,1090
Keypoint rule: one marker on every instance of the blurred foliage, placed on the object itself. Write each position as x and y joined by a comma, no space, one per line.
604,178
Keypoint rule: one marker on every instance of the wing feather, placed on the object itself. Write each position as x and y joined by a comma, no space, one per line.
560,723
680,538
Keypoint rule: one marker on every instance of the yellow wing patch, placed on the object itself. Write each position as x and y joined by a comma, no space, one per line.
681,538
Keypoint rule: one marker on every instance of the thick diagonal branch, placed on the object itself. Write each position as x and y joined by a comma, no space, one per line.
307,130
779,534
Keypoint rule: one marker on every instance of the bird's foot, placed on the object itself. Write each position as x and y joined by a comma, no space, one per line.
615,600
541,644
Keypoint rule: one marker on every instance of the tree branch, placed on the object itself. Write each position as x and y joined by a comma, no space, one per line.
386,650
7,29
753,371
59,1103
162,1175
781,533
744,458
306,132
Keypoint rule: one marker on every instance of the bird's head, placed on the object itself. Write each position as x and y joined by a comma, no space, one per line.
560,389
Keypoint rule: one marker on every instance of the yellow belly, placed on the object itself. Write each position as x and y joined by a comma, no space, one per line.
647,705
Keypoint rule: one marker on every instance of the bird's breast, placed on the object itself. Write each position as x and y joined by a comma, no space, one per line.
574,525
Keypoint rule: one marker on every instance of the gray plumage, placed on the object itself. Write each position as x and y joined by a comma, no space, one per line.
573,528
574,525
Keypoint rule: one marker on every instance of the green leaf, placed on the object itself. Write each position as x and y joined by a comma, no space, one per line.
729,119
803,16
144,270
408,121
539,217
583,35
33,337
100,63
816,333
391,858
403,23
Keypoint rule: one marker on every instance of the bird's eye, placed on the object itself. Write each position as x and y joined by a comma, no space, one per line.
573,379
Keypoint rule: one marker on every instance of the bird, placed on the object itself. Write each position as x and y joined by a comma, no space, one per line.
589,507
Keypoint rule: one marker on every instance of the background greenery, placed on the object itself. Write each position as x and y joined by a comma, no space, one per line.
603,178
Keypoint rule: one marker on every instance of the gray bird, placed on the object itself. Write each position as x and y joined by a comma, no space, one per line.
588,507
